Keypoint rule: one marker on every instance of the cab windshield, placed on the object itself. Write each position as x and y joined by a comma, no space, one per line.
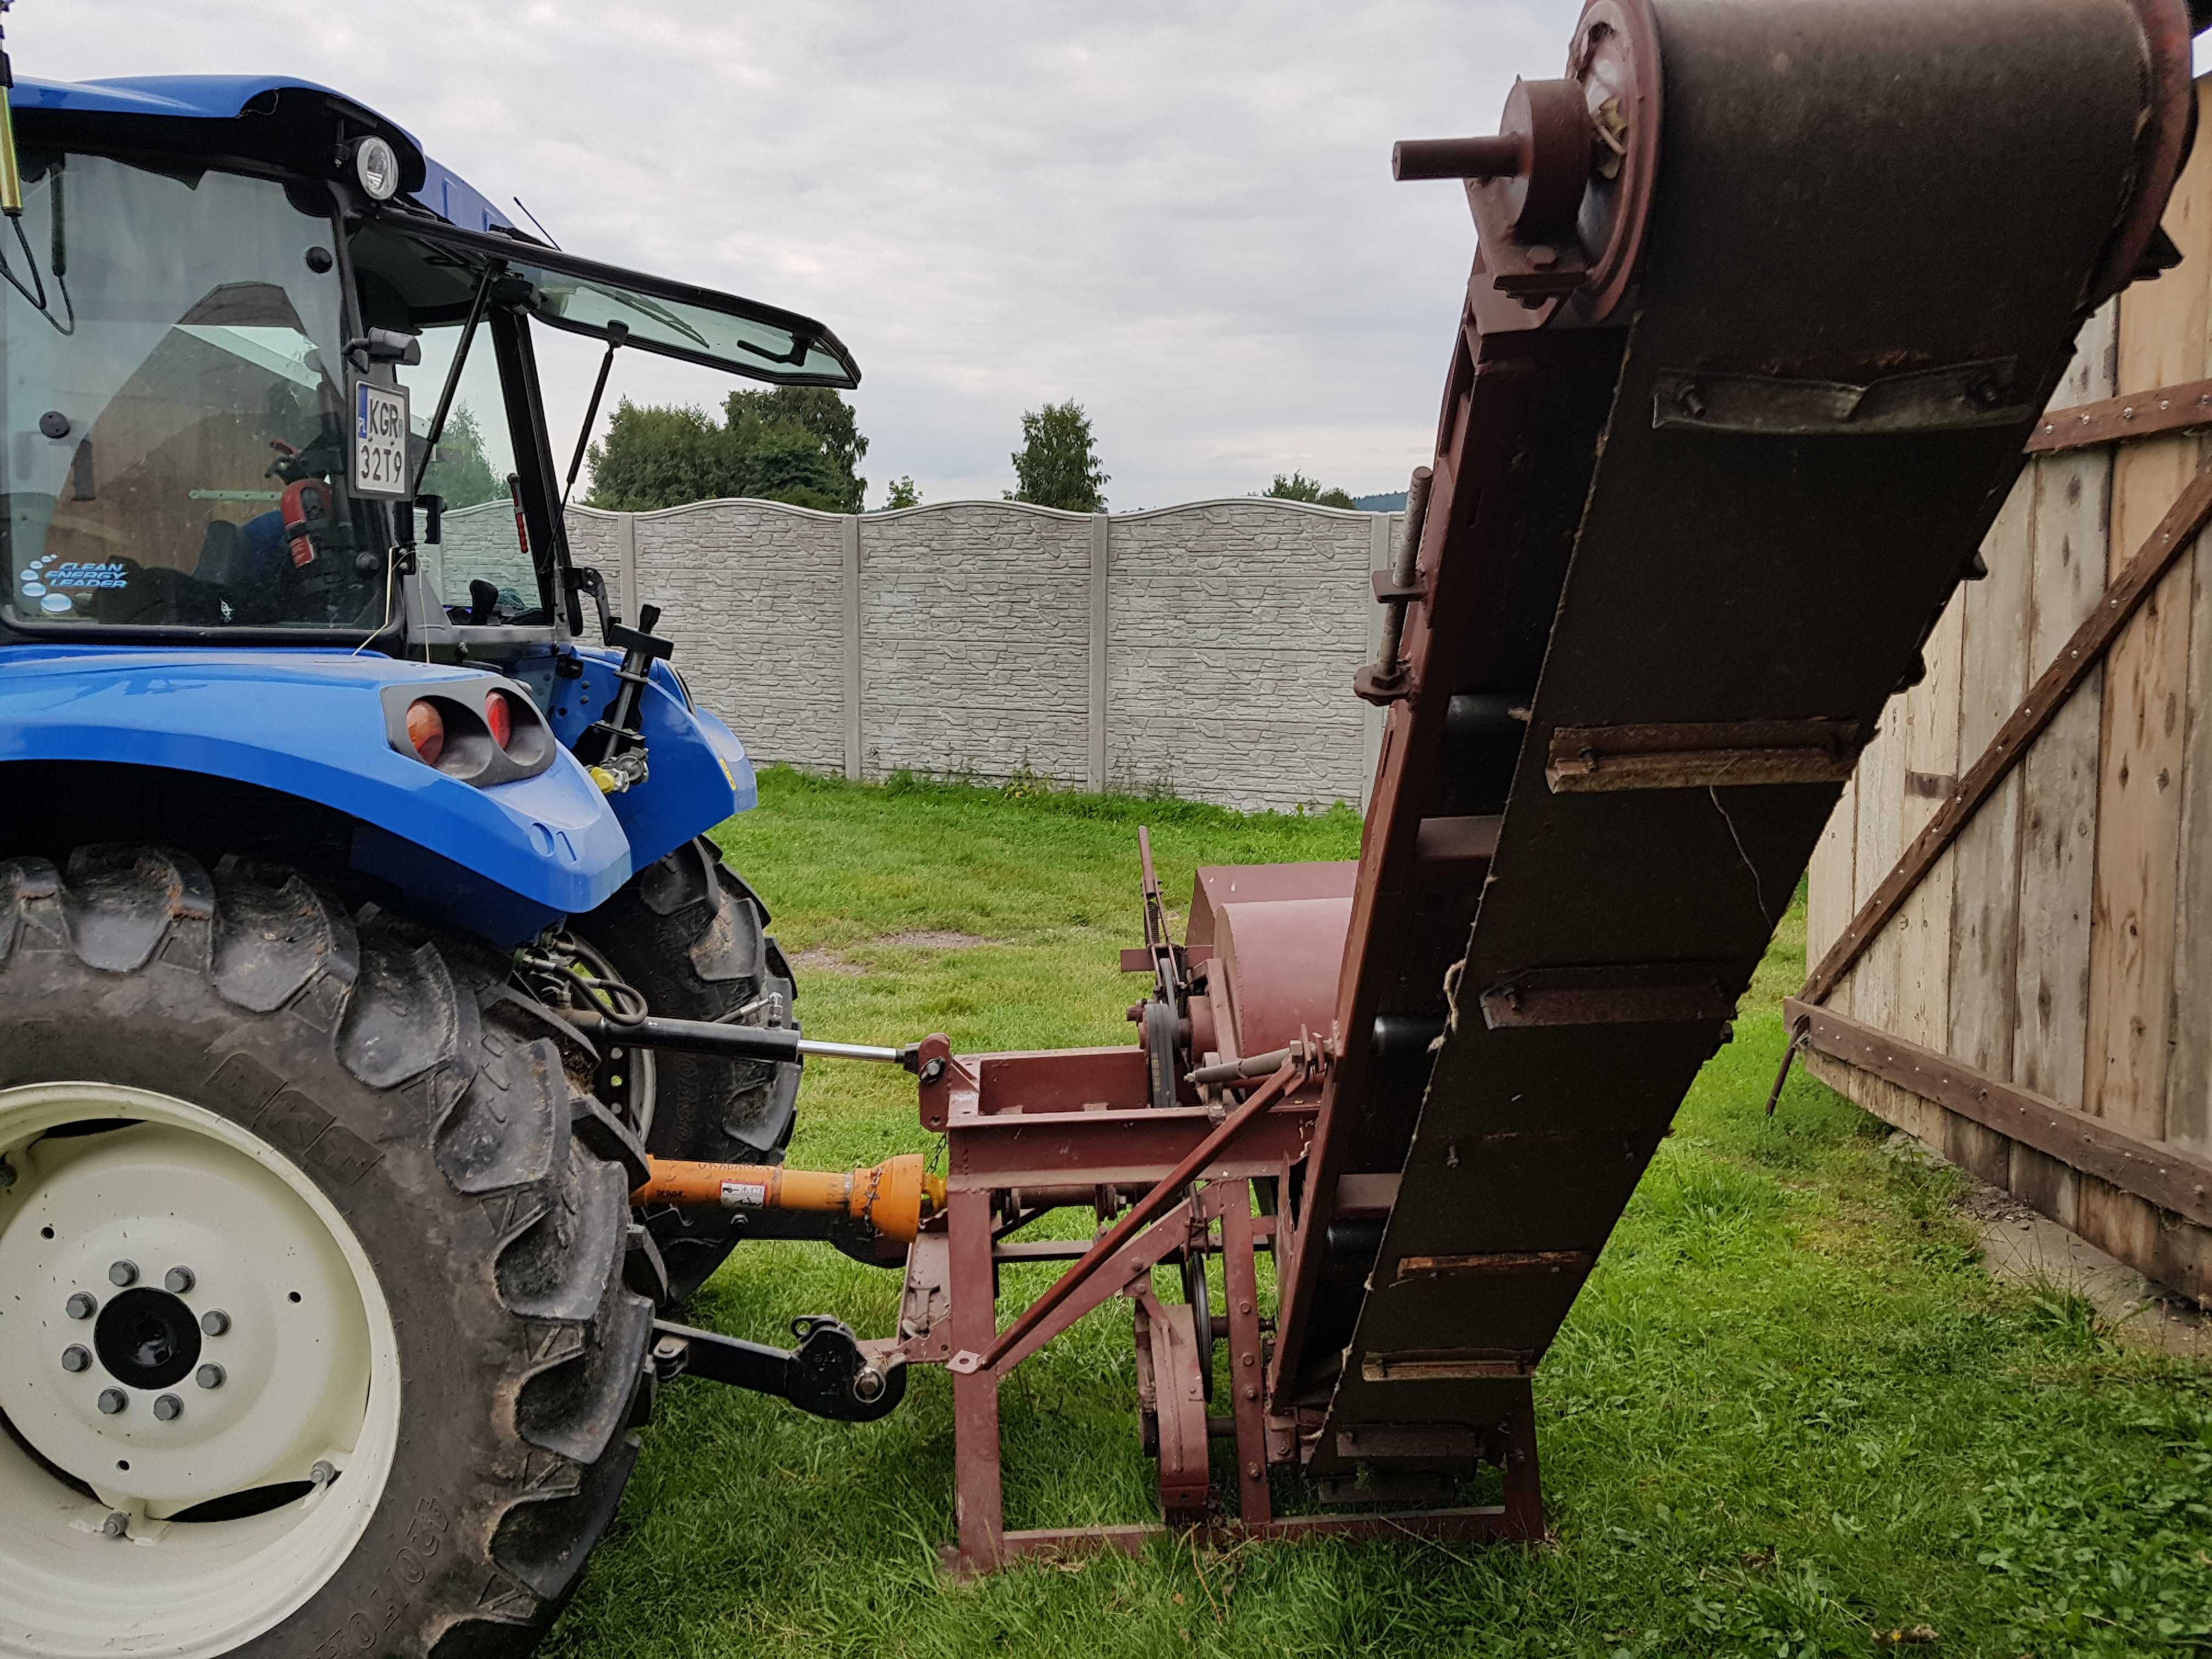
176,449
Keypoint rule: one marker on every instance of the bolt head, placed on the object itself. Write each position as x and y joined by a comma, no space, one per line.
210,1377
323,1474
76,1358
116,1525
112,1401
215,1321
168,1408
121,1274
81,1306
178,1280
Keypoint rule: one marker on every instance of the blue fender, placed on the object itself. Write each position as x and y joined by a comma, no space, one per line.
696,774
502,861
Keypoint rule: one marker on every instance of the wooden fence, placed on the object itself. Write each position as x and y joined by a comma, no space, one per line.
2011,912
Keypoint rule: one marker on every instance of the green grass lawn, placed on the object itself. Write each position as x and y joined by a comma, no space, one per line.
1790,1414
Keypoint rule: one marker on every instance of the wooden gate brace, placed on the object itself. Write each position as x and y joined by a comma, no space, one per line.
2176,532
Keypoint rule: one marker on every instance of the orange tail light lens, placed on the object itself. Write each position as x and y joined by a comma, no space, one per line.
499,716
426,730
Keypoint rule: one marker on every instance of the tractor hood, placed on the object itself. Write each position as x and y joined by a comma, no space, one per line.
504,859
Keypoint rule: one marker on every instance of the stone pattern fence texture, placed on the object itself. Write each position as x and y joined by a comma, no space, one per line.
1205,651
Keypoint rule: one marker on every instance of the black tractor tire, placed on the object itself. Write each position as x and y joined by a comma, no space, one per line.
690,936
439,1111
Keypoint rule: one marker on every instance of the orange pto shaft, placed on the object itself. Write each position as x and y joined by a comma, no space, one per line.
893,1197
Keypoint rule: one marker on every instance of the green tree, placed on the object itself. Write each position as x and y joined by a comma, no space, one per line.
1057,464
460,471
786,444
756,416
655,457
1299,487
901,493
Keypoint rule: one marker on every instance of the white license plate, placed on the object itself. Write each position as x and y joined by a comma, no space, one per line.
379,440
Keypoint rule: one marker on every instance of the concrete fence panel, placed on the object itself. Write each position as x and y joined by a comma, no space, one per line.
1206,650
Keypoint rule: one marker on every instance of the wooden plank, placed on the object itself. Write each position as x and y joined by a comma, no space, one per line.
2176,1181
2164,328
2189,1087
2147,414
1828,903
1985,905
2058,781
1881,839
1931,765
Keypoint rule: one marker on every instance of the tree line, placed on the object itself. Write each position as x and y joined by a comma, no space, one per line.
799,445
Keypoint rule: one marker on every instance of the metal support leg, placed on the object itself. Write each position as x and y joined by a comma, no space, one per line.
978,1501
1241,1290
1524,1481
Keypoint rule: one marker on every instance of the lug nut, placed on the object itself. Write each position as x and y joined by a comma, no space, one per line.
116,1525
75,1358
210,1377
121,1274
112,1401
323,1474
215,1321
168,1408
178,1280
81,1306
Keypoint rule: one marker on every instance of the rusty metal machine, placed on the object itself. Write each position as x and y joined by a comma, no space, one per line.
1768,297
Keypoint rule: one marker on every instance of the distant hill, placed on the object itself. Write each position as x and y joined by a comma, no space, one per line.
1393,502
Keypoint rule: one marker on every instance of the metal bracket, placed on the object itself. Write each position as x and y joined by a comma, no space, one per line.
1663,993
827,1374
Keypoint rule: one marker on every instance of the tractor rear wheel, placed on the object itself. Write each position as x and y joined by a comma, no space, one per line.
314,1337
692,939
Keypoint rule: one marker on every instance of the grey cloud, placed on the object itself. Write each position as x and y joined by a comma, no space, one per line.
1180,215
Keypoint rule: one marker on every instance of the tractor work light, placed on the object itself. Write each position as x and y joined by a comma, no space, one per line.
376,164
426,730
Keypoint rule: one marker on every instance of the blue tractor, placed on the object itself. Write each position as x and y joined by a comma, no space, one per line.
327,832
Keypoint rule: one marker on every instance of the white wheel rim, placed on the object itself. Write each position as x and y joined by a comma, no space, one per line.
309,1375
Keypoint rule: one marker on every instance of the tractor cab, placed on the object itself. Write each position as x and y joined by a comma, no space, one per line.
240,316
254,344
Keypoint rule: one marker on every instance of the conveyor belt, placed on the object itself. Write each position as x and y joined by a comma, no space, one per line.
1667,550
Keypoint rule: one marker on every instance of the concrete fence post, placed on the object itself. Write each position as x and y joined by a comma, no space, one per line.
1102,560
1383,530
626,565
849,540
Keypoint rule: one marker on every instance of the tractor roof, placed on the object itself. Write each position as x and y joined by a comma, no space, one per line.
273,118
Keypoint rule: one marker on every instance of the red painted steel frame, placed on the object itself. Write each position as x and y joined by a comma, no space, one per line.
1029,1124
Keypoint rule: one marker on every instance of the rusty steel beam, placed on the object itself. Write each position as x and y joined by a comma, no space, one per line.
2181,408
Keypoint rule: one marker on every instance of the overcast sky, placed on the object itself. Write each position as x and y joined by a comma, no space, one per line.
1180,216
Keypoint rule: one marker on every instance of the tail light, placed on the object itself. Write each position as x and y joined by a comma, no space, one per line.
426,730
499,718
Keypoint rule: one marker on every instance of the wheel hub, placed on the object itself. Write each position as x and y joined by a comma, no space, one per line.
147,1339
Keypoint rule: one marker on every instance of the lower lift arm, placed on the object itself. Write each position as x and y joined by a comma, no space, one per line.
829,1373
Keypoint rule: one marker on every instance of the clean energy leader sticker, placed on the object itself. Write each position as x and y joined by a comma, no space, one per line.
379,440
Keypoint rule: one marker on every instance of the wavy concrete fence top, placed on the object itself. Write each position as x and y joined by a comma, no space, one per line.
1206,650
